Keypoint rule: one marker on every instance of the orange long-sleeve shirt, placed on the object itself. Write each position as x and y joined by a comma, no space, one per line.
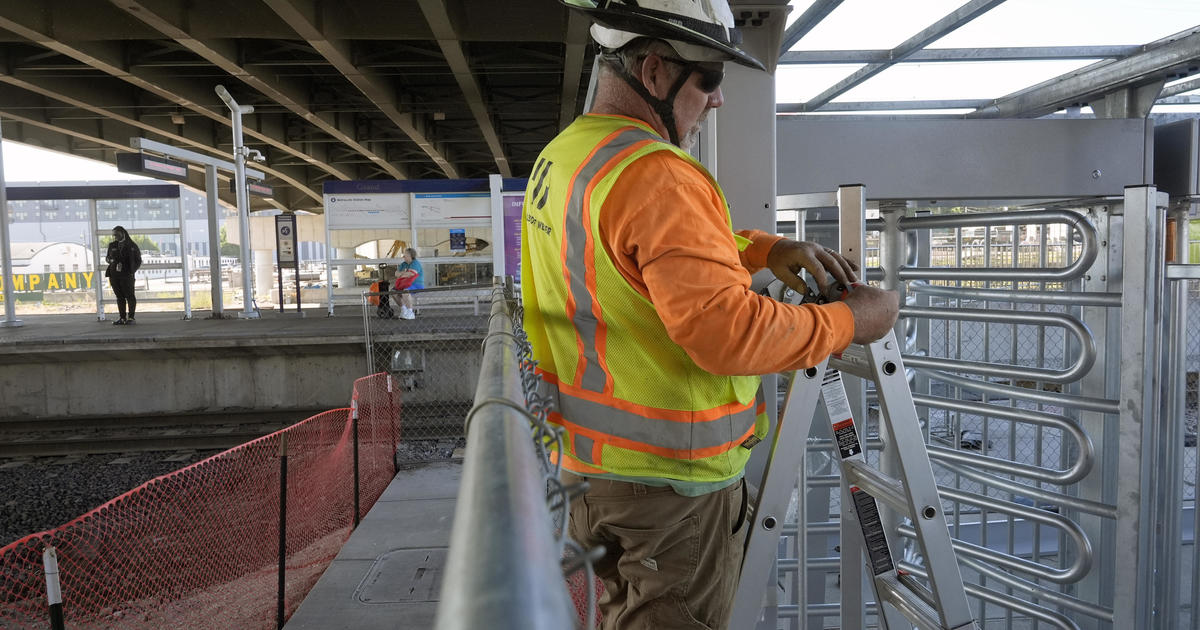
664,225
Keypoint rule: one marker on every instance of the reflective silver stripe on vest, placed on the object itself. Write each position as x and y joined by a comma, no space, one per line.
656,432
583,448
594,378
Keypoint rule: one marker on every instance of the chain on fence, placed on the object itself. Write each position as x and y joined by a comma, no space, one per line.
433,359
584,587
233,541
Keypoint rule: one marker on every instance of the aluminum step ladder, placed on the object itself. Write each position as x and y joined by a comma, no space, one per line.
865,542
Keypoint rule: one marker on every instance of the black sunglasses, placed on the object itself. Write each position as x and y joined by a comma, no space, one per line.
710,78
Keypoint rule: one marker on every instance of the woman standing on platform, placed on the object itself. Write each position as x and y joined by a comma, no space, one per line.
124,258
409,276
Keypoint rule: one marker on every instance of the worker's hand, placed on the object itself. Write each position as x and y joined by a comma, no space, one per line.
787,258
875,311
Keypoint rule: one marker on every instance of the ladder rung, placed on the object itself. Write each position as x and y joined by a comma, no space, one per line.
827,564
910,603
877,484
851,363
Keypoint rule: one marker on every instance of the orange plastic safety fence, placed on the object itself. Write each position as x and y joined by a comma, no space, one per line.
199,547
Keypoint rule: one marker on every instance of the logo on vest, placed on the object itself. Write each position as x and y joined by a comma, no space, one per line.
537,195
751,442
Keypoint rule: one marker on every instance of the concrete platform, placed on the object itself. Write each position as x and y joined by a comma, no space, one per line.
389,574
68,366
82,335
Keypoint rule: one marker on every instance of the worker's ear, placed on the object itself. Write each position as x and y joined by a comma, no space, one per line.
654,75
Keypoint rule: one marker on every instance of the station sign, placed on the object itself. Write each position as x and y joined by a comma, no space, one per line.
152,166
255,188
285,237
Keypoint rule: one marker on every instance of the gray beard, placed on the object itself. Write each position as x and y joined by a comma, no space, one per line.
688,141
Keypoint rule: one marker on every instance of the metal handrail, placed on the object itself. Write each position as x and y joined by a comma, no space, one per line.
504,568
1083,363
1064,298
1080,222
1079,468
1081,562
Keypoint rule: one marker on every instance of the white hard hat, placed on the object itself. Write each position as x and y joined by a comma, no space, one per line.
698,30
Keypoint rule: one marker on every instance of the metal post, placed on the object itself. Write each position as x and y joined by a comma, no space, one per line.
329,256
184,260
1169,476
212,199
98,279
239,183
354,436
852,208
10,308
279,270
1140,398
283,457
53,588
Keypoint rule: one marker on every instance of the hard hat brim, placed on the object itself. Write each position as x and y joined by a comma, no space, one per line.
644,24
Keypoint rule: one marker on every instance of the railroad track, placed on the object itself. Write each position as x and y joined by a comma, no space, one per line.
94,436
199,432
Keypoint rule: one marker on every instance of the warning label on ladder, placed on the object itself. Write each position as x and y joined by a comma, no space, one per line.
847,438
838,406
872,528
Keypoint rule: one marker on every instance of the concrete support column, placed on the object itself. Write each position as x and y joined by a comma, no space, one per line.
264,271
345,274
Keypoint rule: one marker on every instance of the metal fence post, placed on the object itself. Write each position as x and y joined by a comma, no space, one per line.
354,437
283,457
53,588
1140,397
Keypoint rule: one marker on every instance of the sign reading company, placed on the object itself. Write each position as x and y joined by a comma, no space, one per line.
61,281
366,204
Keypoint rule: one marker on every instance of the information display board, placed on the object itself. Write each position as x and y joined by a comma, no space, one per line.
431,209
285,238
513,204
366,205
458,240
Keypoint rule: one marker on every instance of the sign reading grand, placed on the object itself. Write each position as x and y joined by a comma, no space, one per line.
366,204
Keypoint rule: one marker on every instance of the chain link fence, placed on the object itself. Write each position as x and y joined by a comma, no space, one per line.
433,359
510,541
1192,390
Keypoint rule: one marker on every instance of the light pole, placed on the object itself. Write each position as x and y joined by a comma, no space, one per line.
10,311
243,203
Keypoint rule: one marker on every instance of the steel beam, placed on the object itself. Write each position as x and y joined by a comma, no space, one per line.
79,95
30,21
1179,88
576,43
1167,56
1011,53
224,54
817,11
937,30
303,18
54,136
443,29
869,106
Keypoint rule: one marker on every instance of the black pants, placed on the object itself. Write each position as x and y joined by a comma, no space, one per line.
385,307
122,286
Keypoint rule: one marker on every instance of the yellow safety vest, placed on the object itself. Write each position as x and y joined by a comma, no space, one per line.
632,402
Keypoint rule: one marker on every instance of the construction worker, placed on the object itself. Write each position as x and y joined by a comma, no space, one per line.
647,335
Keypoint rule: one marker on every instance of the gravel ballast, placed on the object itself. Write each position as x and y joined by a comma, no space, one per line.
44,492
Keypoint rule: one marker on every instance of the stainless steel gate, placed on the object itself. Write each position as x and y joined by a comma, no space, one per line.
1044,347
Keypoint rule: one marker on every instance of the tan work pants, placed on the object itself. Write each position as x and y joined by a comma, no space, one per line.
671,561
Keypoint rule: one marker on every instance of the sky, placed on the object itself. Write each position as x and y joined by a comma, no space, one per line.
869,24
